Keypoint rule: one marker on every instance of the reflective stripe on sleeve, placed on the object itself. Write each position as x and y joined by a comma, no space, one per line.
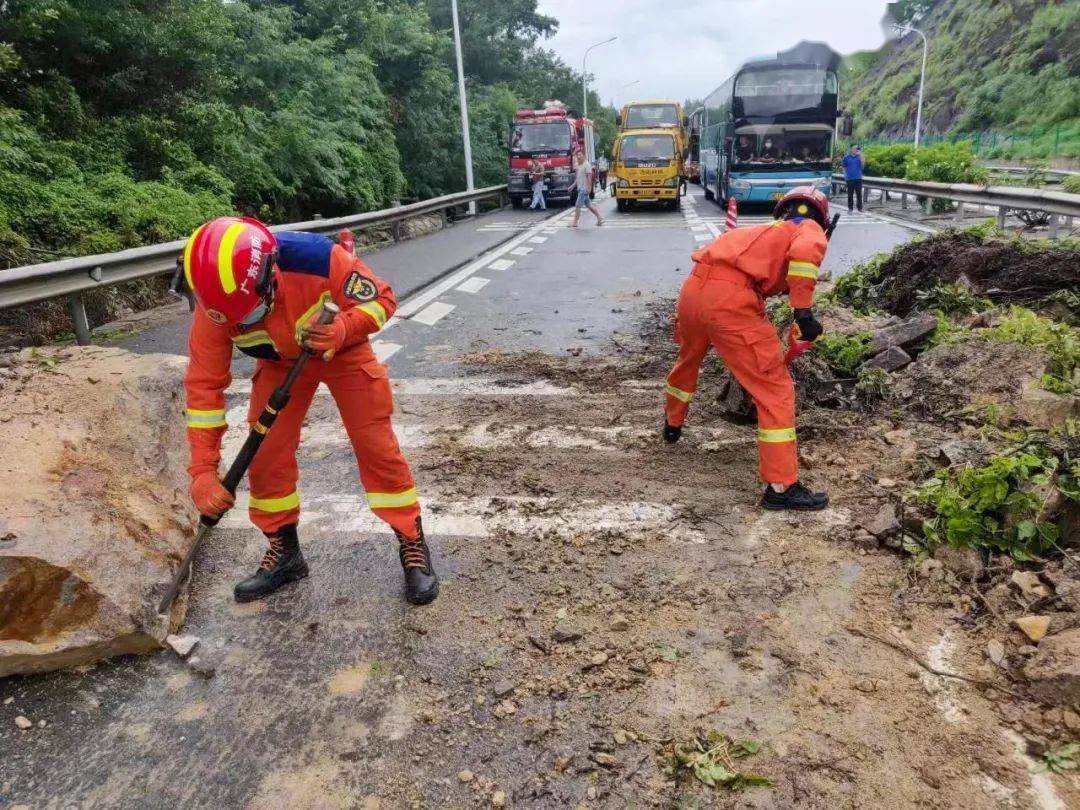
392,500
256,338
678,393
205,419
290,501
376,311
776,435
803,270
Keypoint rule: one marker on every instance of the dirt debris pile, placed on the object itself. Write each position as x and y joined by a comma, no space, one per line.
95,512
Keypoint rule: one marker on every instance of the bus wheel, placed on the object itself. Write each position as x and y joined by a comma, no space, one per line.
708,191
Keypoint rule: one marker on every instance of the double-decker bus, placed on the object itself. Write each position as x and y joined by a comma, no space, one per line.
770,127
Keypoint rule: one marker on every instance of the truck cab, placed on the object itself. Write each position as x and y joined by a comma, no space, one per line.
552,135
656,115
647,166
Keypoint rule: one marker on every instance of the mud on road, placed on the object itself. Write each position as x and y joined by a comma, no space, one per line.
604,596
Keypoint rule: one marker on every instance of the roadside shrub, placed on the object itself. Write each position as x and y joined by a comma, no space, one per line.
887,160
1071,184
996,506
945,163
1059,341
951,299
843,353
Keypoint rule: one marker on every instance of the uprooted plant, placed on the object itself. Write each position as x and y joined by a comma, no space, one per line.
1002,505
1059,341
710,758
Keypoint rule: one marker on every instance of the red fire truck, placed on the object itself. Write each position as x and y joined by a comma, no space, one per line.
551,135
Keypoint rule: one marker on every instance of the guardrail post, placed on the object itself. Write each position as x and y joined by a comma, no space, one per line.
1055,221
1002,212
77,310
959,212
903,201
928,205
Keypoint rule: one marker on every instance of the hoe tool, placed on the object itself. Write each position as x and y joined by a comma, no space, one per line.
278,400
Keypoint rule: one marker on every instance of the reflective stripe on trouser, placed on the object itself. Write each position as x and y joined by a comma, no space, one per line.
361,389
731,318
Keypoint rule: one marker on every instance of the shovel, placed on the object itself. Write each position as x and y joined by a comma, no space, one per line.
278,400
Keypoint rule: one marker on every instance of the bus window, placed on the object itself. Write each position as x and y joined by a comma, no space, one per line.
810,147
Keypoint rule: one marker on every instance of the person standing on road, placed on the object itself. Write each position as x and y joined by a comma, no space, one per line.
602,170
536,175
853,169
262,294
722,305
584,181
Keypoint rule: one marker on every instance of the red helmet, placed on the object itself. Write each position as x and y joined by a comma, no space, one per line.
228,264
804,201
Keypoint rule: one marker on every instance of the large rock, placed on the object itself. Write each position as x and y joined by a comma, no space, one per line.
907,333
1053,673
95,514
1044,409
892,359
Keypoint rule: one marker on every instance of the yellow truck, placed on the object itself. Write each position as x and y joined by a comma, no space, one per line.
647,166
656,115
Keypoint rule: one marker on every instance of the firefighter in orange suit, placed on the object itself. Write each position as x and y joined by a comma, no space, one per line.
722,305
262,293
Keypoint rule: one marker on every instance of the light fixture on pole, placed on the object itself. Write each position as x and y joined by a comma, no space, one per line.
904,30
585,76
464,103
628,84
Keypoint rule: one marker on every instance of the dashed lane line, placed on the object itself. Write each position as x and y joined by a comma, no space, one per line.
384,349
433,313
521,251
501,264
474,284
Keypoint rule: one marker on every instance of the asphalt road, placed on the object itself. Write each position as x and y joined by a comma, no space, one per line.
286,696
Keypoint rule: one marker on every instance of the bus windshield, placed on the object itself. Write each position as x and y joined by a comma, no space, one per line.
646,116
772,92
550,137
788,148
636,150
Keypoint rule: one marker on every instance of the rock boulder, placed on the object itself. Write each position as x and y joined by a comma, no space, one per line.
95,513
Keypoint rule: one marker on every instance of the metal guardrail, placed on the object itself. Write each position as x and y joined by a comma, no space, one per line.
72,278
1056,175
1004,198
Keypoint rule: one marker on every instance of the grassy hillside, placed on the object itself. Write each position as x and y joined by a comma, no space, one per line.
996,68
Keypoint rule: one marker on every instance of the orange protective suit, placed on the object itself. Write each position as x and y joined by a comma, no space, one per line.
722,305
310,270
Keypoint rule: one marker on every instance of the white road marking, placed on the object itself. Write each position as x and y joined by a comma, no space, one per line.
538,240
473,285
501,264
521,251
433,313
384,349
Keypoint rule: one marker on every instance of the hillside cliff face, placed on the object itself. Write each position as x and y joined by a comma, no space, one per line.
993,64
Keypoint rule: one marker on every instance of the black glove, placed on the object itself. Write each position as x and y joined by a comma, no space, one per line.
809,326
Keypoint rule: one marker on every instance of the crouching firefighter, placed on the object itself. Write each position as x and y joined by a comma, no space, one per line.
722,305
262,294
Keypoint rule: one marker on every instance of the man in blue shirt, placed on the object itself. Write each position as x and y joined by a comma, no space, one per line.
853,166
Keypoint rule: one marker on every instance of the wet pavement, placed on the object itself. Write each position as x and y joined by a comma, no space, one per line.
309,698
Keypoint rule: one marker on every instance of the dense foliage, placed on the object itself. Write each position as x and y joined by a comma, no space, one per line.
993,65
129,122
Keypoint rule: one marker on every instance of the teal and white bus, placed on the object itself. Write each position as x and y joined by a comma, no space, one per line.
771,126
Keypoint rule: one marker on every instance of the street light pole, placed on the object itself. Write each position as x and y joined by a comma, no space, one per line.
585,76
464,103
922,81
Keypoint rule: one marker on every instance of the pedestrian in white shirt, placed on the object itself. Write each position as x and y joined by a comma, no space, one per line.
584,176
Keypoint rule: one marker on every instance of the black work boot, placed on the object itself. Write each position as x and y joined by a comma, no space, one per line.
671,433
283,563
421,582
796,497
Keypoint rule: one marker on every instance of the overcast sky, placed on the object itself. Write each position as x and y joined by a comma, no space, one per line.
685,48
